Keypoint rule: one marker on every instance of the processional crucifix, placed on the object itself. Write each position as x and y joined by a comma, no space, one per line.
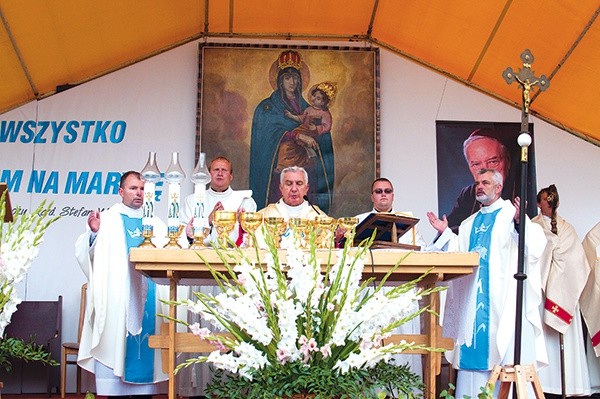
521,374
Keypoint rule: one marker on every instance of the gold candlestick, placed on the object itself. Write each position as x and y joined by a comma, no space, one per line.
200,234
148,234
173,234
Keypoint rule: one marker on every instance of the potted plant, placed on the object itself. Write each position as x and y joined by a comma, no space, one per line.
299,327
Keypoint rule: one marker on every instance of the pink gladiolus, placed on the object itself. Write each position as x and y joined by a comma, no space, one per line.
201,332
326,351
282,356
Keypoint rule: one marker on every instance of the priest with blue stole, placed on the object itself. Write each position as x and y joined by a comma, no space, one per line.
122,303
480,308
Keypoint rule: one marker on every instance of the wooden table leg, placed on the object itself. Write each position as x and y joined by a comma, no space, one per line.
173,280
432,361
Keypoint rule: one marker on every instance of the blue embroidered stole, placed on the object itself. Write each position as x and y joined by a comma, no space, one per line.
139,358
476,357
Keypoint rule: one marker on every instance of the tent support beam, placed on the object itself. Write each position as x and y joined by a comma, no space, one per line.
571,49
491,37
372,21
18,53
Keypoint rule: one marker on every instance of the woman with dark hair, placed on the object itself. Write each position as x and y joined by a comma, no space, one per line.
271,128
565,272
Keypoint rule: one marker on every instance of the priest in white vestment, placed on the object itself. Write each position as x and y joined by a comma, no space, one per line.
294,203
382,197
590,303
481,308
121,304
219,196
565,271
293,185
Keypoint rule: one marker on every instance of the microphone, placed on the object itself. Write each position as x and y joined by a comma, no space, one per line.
312,206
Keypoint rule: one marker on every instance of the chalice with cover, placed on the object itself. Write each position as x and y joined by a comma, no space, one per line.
250,222
224,222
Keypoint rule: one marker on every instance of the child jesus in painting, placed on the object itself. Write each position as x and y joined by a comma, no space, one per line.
299,146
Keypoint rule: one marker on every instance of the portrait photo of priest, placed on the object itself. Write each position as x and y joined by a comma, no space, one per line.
463,148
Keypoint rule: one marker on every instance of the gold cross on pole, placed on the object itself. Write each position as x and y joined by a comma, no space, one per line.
526,78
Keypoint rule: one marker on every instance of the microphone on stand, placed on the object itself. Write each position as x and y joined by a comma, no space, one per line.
312,206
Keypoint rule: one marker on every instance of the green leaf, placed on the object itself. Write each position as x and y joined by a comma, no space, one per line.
15,348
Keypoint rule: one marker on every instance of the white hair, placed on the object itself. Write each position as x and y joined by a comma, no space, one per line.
293,169
496,175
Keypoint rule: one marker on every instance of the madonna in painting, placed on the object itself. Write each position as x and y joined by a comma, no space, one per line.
277,136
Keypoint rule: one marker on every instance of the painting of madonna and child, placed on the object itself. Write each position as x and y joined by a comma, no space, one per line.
269,107
463,148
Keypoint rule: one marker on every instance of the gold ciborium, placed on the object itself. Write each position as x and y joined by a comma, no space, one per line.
224,222
276,226
348,224
250,222
300,228
324,226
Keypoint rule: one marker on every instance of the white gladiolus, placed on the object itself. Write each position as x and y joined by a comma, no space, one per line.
280,311
19,246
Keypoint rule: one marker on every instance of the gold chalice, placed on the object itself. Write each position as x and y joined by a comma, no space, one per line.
250,222
276,226
348,224
224,222
324,226
300,228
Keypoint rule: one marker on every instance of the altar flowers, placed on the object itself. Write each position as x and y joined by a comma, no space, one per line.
19,246
302,321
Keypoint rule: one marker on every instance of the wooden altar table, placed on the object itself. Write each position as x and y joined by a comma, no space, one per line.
184,267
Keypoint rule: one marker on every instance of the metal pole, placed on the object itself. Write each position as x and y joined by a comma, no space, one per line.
524,141
563,382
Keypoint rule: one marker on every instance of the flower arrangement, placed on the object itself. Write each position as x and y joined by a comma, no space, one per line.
300,326
19,246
